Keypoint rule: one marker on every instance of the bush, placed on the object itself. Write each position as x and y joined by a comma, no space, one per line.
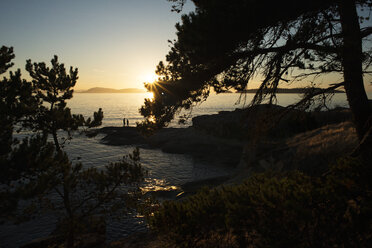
292,210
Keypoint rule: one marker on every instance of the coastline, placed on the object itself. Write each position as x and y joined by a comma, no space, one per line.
229,139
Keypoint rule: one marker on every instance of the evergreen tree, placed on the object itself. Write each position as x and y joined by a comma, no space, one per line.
40,170
226,44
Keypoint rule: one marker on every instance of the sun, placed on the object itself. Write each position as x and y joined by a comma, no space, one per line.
150,78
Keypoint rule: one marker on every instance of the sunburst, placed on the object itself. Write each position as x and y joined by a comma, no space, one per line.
150,78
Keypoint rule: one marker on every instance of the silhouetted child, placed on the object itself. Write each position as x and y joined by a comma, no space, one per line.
127,122
123,122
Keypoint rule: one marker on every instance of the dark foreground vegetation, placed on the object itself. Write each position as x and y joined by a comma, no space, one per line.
271,210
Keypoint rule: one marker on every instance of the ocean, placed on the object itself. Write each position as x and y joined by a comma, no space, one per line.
165,170
117,106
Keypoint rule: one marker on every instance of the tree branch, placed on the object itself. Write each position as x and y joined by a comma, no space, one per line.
315,93
287,48
364,32
294,46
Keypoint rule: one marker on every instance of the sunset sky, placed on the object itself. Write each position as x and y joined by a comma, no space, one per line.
113,43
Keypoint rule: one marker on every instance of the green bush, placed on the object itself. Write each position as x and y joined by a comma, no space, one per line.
292,210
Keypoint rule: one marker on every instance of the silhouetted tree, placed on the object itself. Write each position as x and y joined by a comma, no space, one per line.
225,44
38,169
53,87
6,55
17,102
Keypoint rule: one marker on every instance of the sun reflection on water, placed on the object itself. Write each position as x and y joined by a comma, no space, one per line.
149,95
153,184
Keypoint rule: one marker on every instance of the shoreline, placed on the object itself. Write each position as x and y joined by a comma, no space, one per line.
225,139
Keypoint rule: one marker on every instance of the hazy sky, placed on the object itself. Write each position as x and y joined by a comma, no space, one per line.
114,43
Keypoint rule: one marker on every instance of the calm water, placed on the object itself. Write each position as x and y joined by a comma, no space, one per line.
117,106
164,169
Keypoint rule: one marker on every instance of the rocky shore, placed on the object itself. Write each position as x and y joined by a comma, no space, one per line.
191,140
283,140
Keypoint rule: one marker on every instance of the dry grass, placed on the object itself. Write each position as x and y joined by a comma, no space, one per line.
313,151
328,140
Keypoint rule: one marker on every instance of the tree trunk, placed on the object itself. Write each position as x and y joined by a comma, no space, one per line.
70,235
55,138
71,219
70,239
352,66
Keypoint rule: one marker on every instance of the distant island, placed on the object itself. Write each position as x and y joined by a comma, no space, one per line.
110,90
291,90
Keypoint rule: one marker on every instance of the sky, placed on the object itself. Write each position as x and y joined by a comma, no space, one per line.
113,43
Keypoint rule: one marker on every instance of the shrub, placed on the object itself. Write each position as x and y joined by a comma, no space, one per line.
292,210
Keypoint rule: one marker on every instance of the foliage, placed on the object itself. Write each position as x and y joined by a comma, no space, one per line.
16,98
53,87
226,45
6,55
269,210
38,170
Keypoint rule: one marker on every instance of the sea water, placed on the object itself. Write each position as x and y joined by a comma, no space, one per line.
164,169
117,106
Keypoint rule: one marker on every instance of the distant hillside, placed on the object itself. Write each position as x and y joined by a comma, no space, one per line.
109,90
290,90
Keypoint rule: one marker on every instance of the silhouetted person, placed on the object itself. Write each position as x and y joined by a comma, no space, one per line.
127,122
123,122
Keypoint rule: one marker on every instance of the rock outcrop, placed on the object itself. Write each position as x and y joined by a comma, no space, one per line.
221,138
271,121
254,139
310,152
189,141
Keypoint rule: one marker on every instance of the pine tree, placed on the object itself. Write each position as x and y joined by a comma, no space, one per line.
38,169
